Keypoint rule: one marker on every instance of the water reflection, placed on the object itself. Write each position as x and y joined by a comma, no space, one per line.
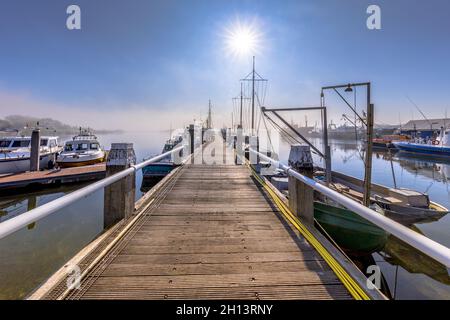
437,170
11,206
408,273
396,252
29,256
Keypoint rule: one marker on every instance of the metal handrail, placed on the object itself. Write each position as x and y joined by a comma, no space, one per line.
12,225
427,246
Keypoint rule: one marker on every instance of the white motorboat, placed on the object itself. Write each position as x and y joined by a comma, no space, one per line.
84,149
15,153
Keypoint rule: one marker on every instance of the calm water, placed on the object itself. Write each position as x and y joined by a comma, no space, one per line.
408,273
29,256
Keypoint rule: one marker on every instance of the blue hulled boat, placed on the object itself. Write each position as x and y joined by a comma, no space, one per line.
421,148
439,147
158,170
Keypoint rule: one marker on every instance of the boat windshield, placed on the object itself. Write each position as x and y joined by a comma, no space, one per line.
44,142
20,143
94,146
82,146
5,143
68,147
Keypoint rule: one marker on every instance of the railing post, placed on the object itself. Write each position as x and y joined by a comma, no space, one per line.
192,141
35,150
301,196
238,144
119,196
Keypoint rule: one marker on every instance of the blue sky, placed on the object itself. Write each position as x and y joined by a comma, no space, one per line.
142,62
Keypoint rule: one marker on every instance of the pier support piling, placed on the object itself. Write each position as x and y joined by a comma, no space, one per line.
35,150
120,196
301,196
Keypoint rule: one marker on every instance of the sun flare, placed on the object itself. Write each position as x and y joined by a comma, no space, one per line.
242,39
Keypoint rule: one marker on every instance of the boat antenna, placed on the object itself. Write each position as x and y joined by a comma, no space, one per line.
420,111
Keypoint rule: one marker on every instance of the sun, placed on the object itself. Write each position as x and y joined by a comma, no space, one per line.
242,39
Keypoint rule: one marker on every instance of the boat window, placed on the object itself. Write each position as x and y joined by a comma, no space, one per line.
82,146
68,147
52,143
20,143
44,142
5,143
94,146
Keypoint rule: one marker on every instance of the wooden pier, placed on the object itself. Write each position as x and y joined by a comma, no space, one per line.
10,182
204,232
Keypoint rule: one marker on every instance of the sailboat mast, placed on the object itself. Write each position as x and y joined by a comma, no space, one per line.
253,95
240,115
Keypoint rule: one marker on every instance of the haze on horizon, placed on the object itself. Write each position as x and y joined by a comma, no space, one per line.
145,65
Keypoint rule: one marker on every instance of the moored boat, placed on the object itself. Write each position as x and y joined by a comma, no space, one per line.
154,172
386,141
402,205
438,147
15,153
352,233
84,149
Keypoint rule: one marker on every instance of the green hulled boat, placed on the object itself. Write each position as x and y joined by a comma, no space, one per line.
351,232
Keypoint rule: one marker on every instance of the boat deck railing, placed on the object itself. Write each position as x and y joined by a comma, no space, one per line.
425,245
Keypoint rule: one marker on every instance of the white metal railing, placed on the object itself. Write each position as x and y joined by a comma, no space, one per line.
429,247
12,225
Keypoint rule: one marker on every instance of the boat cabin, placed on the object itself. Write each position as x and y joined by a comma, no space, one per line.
81,145
13,143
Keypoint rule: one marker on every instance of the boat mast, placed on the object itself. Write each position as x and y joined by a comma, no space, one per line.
240,113
253,95
253,76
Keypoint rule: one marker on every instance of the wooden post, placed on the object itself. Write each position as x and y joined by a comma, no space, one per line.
301,196
35,150
119,196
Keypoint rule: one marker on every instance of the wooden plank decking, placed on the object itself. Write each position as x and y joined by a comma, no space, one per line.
206,232
45,177
215,235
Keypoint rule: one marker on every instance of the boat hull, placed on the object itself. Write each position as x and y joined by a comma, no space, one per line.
79,160
64,164
423,149
158,169
16,165
406,215
351,232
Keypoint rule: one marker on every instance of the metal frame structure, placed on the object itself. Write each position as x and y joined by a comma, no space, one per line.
326,154
368,122
253,73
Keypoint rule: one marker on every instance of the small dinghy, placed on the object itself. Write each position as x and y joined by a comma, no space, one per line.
154,172
354,234
402,205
